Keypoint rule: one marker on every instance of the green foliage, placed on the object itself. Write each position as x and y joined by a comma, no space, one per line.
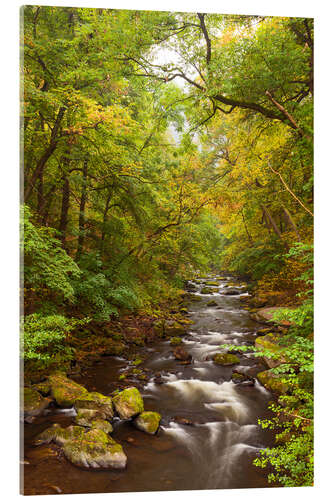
258,260
46,264
292,457
43,339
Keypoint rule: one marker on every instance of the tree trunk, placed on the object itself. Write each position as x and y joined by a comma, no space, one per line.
273,224
291,222
46,155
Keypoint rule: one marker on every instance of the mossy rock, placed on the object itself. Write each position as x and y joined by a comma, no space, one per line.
64,390
95,449
92,449
272,382
174,329
212,303
137,361
183,310
95,401
128,403
85,416
226,359
176,341
212,283
43,388
269,342
263,331
208,291
33,403
59,435
148,421
195,298
101,424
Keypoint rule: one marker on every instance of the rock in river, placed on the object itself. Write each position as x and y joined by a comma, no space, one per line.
33,404
128,403
226,359
92,449
95,401
64,390
182,355
148,421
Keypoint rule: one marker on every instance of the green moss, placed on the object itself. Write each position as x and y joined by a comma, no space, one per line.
95,401
137,362
176,341
272,382
212,283
226,359
148,421
102,425
43,388
128,403
64,390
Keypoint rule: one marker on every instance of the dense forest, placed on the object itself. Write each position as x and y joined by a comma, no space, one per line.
159,147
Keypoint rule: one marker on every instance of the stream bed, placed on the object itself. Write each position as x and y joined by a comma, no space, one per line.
215,451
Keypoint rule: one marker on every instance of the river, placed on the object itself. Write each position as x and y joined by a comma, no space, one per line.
216,451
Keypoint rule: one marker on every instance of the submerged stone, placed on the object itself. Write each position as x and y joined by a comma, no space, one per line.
148,421
128,403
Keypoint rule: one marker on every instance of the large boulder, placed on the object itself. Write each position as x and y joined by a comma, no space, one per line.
272,382
101,424
148,421
265,315
85,416
95,401
270,342
95,449
59,435
226,359
92,449
33,404
128,403
64,390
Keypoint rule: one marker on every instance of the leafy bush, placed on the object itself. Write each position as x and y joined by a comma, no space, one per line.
98,294
292,457
43,338
46,264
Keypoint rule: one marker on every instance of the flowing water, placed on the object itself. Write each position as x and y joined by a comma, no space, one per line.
216,451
